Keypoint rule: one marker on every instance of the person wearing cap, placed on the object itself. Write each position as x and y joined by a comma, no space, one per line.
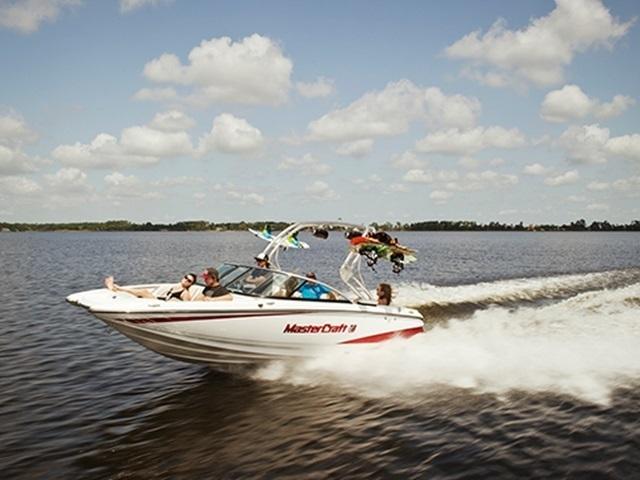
262,260
258,274
213,291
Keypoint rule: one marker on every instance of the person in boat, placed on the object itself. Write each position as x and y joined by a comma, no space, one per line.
179,291
314,291
213,291
383,292
258,275
262,260
288,288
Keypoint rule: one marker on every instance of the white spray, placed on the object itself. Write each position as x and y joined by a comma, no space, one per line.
584,346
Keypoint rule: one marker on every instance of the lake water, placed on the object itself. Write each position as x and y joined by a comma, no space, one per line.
530,367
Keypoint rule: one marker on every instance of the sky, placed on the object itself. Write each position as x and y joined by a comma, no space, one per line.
163,111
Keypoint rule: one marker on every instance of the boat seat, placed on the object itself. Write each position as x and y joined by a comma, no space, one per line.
162,290
195,290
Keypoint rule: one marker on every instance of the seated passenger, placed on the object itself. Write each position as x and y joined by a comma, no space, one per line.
179,291
213,292
312,290
383,292
257,275
286,290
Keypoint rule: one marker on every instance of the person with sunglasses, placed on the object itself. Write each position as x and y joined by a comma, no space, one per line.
213,291
180,291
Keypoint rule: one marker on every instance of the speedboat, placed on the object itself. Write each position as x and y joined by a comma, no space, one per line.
264,321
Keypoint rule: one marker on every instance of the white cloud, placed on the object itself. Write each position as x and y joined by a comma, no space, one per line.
571,103
598,186
231,134
172,121
183,180
104,151
117,179
536,169
138,146
245,198
25,16
306,165
69,181
14,161
367,183
539,53
615,107
417,175
585,144
155,94
121,186
450,110
252,71
390,112
627,146
448,175
577,198
14,134
147,142
598,207
630,183
14,131
408,160
322,87
592,144
566,178
440,195
479,181
14,185
357,149
127,6
467,142
320,190
397,188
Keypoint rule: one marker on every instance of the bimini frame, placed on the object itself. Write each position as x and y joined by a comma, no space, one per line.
349,270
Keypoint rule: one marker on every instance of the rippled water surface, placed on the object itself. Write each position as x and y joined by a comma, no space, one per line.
530,367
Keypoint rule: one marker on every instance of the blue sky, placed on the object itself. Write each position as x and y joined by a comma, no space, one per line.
224,111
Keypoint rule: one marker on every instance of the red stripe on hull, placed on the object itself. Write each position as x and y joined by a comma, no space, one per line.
409,332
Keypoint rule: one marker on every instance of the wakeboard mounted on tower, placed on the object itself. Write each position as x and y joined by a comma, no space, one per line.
364,242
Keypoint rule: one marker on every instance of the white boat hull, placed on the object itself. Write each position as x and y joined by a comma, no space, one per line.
246,330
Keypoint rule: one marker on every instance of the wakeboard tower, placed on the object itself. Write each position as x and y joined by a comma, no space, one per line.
364,242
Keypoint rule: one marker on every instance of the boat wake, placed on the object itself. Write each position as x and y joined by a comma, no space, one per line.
583,339
441,303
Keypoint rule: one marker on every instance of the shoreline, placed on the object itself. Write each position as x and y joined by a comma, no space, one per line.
423,226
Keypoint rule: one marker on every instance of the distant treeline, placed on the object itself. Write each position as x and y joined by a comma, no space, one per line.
204,226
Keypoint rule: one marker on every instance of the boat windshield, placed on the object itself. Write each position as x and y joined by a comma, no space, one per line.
262,282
